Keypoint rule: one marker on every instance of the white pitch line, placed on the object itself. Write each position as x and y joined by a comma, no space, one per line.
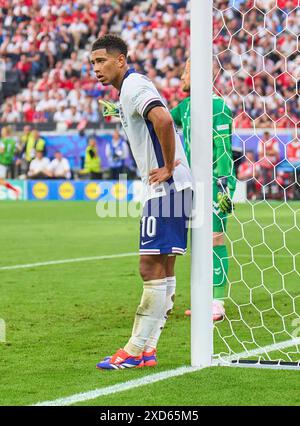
109,256
60,262
153,378
264,350
147,380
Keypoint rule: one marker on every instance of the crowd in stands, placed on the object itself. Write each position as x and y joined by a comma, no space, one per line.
45,46
257,61
268,173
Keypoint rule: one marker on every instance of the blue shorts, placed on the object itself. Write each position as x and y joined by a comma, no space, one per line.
165,222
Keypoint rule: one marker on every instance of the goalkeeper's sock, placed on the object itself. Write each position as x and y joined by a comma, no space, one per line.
170,298
149,312
220,271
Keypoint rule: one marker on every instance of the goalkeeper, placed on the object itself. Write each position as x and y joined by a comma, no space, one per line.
224,183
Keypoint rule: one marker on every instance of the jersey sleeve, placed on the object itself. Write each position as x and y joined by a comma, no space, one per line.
144,98
176,115
222,135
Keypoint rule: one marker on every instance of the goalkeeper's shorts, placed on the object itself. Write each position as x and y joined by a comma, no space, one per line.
164,224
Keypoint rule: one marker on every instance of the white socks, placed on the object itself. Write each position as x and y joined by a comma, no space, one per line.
157,330
150,311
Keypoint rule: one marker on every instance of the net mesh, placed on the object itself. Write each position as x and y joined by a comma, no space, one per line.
257,72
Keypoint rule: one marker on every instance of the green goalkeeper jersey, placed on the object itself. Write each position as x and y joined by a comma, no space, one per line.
222,132
182,118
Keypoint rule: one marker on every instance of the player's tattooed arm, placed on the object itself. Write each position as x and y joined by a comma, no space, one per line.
164,129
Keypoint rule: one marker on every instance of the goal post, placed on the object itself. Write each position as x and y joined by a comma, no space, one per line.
201,156
247,53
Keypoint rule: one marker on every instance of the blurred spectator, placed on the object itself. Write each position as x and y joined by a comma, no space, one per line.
24,68
38,168
269,157
78,29
293,152
73,115
116,152
90,115
7,151
9,115
92,163
59,167
20,162
268,150
34,143
249,171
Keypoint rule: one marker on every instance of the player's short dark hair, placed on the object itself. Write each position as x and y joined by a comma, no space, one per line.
111,42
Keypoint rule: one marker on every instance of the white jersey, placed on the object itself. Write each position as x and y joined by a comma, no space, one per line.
137,93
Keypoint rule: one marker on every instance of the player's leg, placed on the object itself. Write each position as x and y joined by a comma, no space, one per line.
220,259
150,311
151,344
177,227
161,235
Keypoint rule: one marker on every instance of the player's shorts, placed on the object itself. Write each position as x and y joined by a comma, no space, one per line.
3,171
165,222
219,218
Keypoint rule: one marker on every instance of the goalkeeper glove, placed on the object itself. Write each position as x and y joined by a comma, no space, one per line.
226,205
109,109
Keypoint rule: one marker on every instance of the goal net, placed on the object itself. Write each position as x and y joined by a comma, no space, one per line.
257,71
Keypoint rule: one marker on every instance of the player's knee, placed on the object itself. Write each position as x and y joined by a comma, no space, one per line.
151,270
218,239
146,272
170,267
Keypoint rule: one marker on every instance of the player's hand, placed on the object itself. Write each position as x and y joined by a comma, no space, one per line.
226,205
157,176
109,109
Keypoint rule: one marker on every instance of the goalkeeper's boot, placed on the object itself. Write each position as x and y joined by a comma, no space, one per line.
150,358
120,361
218,310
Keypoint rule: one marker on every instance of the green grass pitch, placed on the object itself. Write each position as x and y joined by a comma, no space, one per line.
62,319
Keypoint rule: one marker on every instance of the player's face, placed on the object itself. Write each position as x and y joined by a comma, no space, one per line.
186,77
106,66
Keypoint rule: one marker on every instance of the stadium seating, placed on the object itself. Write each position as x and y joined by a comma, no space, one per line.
50,61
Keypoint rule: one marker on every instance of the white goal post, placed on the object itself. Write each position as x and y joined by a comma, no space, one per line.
201,158
262,323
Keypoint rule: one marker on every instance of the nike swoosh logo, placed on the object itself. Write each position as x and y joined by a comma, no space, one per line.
146,242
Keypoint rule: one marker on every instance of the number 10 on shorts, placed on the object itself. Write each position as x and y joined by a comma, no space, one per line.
148,226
